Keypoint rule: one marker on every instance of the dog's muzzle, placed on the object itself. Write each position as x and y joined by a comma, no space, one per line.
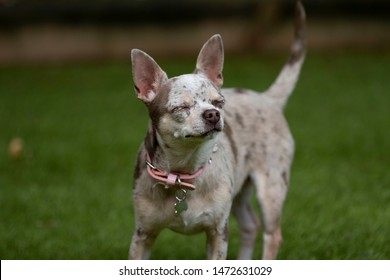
211,116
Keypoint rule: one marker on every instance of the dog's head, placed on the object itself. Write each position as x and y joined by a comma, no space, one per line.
187,107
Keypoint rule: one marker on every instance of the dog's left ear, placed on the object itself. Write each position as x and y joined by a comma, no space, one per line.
147,76
210,60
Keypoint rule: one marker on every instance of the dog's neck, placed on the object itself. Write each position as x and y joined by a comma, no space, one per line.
180,156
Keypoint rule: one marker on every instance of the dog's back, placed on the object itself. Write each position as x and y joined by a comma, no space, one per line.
254,122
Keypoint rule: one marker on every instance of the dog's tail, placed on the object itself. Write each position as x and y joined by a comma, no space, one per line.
284,84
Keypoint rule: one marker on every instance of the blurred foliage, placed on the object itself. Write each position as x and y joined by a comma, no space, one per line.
17,12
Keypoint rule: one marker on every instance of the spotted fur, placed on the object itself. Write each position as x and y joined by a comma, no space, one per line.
244,132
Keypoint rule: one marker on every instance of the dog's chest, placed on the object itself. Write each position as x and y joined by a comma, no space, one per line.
193,220
203,210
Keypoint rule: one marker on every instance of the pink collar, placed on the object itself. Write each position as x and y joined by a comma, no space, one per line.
173,178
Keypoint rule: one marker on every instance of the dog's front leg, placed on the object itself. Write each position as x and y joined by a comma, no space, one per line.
141,245
217,242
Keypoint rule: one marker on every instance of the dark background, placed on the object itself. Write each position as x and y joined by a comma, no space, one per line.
42,31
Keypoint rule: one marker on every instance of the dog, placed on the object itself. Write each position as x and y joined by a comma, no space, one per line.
206,148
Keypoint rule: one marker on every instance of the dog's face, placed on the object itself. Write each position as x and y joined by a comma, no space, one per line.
187,108
192,109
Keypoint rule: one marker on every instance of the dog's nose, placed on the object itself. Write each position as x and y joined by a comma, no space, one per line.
212,116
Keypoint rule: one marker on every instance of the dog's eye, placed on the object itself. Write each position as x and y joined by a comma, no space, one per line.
218,103
180,109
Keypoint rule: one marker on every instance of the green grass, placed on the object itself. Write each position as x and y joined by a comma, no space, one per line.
69,197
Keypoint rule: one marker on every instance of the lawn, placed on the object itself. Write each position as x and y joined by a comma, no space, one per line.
69,195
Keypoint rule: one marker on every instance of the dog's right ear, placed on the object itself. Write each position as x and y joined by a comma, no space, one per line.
147,75
210,60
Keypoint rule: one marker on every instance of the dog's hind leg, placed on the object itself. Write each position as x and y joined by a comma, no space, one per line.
247,221
271,187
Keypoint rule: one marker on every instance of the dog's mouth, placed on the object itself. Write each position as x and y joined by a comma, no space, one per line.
207,134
